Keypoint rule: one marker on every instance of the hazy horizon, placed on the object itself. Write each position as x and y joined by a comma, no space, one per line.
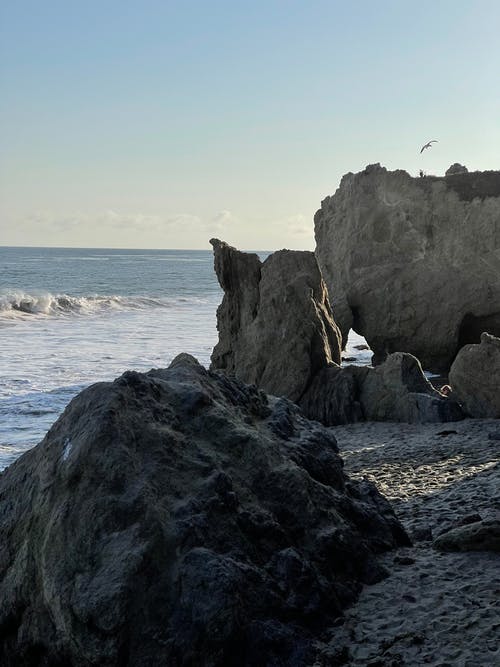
158,249
163,124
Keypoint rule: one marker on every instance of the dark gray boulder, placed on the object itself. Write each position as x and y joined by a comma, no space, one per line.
333,397
180,517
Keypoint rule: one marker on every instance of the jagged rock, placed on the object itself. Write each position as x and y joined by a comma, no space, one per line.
276,331
180,517
412,264
333,397
397,390
275,324
478,536
475,377
456,168
297,364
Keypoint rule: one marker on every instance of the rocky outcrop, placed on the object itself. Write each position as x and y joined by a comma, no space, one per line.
182,518
334,395
412,264
397,390
475,377
276,331
456,168
481,535
275,325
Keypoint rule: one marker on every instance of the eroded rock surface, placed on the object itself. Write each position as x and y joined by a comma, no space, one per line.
276,331
180,517
275,324
456,168
397,390
475,377
478,536
412,264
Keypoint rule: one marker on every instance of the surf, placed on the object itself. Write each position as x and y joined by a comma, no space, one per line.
20,304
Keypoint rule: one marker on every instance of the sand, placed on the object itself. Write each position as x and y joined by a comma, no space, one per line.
434,608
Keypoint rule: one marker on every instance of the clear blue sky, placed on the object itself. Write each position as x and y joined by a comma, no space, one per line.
160,124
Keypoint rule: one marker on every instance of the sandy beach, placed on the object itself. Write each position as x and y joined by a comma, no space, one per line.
438,609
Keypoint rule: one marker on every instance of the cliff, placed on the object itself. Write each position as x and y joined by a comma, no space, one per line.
413,264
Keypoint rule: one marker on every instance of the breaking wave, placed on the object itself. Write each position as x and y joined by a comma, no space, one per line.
14,304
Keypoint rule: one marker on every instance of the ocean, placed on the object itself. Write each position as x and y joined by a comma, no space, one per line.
71,317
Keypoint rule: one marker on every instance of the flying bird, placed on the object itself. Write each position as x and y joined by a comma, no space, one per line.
432,141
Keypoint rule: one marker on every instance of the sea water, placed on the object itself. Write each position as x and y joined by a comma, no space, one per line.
70,317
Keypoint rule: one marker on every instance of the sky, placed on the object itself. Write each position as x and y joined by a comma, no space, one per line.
153,124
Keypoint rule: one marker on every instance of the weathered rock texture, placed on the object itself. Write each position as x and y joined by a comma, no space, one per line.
456,168
412,264
397,390
276,330
275,324
182,518
475,377
479,536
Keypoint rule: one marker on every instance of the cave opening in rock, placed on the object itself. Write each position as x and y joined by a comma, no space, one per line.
357,351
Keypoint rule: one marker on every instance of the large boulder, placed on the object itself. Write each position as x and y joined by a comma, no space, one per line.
397,390
275,324
412,264
475,377
180,517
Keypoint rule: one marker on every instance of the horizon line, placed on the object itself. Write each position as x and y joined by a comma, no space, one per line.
57,247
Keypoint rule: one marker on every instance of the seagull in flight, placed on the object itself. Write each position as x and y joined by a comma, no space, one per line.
429,145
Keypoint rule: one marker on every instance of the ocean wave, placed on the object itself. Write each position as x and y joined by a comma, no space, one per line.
20,304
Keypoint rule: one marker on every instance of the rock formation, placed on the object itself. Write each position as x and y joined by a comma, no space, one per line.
475,377
481,535
397,390
456,168
412,264
276,331
180,517
275,325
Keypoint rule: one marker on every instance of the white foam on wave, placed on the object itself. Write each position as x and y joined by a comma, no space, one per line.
14,304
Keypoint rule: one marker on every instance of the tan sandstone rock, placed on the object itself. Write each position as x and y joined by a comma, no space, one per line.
397,390
475,377
275,325
412,264
276,331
